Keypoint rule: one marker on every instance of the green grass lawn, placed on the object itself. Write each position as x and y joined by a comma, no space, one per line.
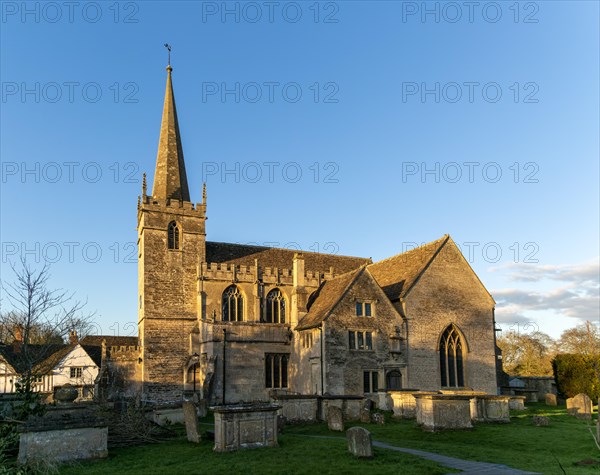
518,444
295,454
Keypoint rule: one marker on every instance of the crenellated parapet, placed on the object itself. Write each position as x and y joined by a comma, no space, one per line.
122,353
252,274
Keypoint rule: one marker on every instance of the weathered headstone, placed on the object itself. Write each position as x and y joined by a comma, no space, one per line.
378,418
191,422
550,399
335,418
583,404
202,408
571,409
541,421
280,424
359,442
365,416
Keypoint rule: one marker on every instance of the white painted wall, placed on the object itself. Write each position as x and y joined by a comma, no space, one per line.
77,358
7,377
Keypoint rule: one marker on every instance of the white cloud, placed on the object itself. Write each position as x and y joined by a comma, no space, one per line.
576,297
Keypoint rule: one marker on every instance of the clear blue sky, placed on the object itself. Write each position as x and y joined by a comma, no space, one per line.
82,92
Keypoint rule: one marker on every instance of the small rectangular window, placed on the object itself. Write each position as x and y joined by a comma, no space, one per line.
361,340
370,381
367,309
75,372
359,309
352,340
367,382
276,370
369,341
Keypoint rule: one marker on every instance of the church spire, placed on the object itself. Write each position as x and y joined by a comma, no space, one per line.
170,180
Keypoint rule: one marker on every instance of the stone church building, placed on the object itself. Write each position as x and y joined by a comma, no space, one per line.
236,323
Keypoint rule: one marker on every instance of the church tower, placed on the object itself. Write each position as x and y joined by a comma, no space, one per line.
171,247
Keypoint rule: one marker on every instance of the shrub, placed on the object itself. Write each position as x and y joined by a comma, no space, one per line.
577,373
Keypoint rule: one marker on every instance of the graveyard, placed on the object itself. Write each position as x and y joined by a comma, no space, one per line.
313,448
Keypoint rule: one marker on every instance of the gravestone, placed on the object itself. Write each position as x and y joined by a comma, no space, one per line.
335,418
365,416
583,404
359,442
571,409
541,421
550,399
378,418
191,422
202,408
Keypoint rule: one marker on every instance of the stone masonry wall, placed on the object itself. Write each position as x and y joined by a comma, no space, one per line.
450,293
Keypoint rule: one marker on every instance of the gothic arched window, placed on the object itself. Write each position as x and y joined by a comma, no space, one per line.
393,380
173,235
275,303
233,305
451,358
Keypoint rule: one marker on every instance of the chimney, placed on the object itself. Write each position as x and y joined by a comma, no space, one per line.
73,339
18,333
17,344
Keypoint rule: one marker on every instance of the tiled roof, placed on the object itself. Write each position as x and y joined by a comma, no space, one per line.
240,254
20,359
96,340
328,295
49,363
396,275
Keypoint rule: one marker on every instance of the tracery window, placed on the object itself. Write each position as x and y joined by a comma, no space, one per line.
275,307
173,235
232,305
451,358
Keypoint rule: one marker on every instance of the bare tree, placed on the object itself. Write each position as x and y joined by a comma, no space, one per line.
38,318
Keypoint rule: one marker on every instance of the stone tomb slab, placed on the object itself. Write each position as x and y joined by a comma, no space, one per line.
516,403
64,434
443,412
244,426
492,408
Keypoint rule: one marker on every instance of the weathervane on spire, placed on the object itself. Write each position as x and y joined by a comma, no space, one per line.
168,46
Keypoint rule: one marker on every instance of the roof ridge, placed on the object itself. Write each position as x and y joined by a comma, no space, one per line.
444,237
291,250
358,272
